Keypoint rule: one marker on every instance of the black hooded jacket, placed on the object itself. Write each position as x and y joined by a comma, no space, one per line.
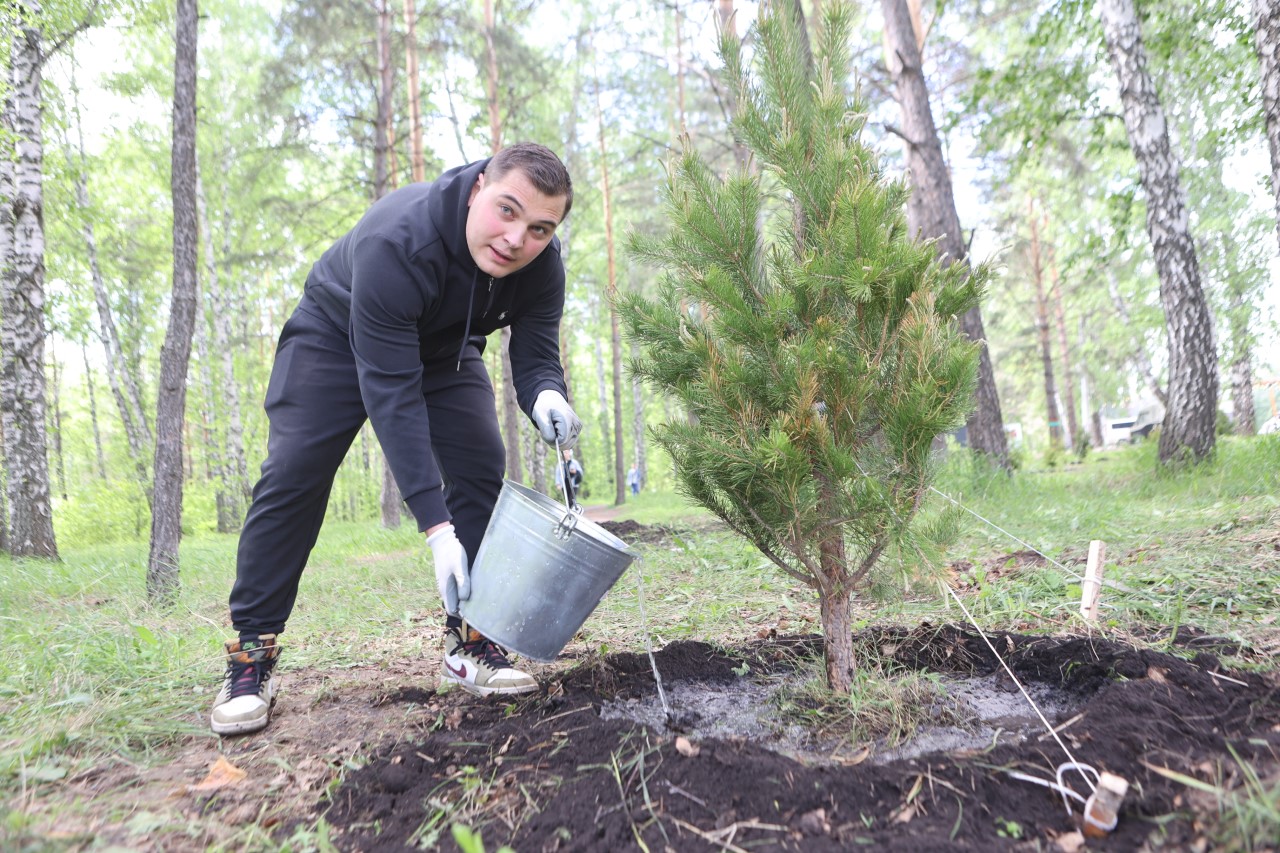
403,286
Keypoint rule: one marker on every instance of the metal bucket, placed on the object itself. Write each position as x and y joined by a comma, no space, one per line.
540,572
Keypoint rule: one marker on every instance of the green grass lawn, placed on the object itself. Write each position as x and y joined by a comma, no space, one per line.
87,670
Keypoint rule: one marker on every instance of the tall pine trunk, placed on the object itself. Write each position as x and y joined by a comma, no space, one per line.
1064,352
510,405
1042,331
615,332
389,502
1188,427
931,211
22,330
175,356
414,93
1266,40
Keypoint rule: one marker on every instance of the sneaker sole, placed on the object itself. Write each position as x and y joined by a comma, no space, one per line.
477,690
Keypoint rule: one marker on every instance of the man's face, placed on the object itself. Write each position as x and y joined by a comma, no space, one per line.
509,222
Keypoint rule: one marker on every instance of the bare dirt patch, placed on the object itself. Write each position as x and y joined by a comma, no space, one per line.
552,773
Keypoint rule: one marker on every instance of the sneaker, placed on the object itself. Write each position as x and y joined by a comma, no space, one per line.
480,666
249,689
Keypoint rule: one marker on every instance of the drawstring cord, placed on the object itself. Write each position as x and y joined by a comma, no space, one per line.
466,332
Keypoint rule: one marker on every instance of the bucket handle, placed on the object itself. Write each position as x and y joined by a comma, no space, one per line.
565,526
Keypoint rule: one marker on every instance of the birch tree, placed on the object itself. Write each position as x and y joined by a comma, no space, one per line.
22,296
175,357
1188,428
1266,40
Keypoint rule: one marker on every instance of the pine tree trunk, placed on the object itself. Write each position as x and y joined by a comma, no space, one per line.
22,331
416,162
1266,40
175,356
93,414
835,599
1086,383
1042,333
602,385
1188,428
931,212
1064,353
615,332
510,412
389,496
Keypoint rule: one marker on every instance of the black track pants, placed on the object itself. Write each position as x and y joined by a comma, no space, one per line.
315,412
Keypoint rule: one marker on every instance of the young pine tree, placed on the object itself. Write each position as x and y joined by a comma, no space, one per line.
815,345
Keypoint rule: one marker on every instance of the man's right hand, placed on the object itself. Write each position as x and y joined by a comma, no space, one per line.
453,574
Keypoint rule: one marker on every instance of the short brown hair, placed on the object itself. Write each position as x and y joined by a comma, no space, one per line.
539,164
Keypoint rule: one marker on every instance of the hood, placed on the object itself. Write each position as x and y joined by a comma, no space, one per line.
447,207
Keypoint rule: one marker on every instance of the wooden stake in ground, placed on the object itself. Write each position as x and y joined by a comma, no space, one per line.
1091,589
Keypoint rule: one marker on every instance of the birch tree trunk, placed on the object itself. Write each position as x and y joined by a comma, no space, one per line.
931,211
120,379
59,458
93,414
175,356
1042,332
1241,366
226,443
1188,427
22,331
1266,40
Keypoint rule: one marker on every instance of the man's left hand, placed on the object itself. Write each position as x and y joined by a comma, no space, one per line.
556,420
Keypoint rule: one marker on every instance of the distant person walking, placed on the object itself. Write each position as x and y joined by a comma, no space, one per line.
633,479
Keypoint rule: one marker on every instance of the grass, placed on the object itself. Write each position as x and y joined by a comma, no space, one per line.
88,673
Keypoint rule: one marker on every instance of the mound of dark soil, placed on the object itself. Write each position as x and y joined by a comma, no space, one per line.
634,533
549,773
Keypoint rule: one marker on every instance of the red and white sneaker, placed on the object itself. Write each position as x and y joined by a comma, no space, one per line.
480,666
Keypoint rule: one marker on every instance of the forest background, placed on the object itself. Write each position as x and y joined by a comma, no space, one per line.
307,113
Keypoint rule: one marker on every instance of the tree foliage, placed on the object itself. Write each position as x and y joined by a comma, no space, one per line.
815,344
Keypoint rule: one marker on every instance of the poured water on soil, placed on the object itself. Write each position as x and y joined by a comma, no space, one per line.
987,709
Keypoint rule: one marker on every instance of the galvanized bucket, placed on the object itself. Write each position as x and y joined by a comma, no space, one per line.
541,570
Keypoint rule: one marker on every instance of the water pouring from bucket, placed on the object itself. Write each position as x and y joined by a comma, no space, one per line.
540,572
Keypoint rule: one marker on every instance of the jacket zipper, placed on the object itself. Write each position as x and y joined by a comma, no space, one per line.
489,301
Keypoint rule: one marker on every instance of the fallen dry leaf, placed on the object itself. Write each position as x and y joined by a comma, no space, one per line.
904,814
686,747
222,773
1156,674
814,822
453,719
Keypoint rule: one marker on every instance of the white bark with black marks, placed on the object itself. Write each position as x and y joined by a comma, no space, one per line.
1188,427
22,330
1266,40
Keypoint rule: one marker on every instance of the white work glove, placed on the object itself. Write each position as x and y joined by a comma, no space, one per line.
453,577
555,420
